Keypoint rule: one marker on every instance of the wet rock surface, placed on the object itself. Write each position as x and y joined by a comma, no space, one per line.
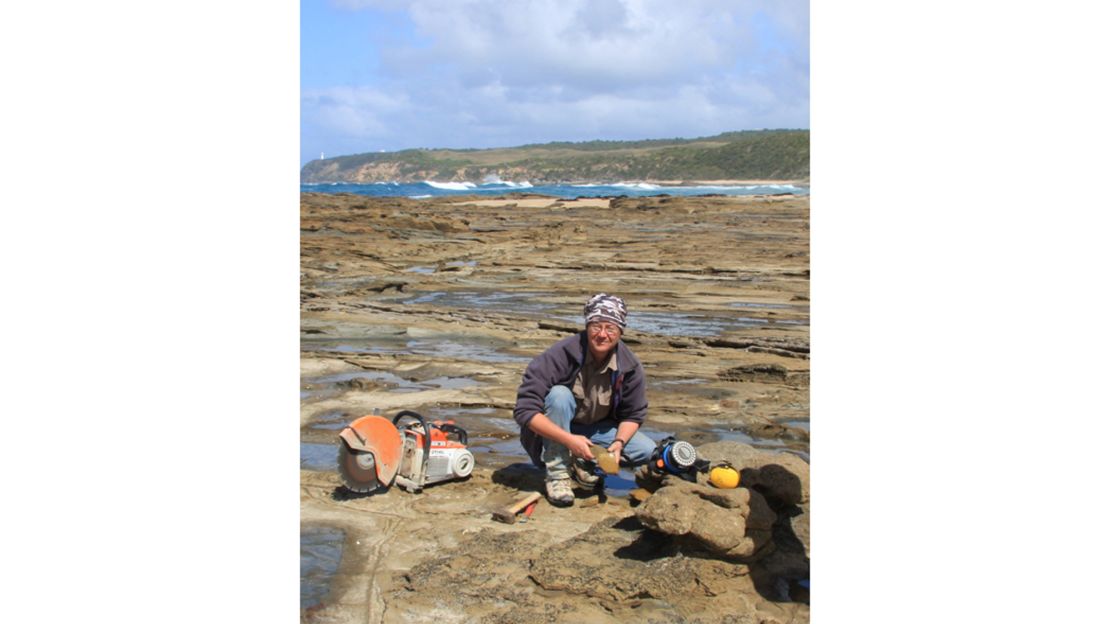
437,305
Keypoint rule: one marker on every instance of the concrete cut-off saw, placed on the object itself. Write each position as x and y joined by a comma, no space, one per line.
375,453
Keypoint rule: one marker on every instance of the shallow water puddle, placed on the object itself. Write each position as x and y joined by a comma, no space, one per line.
773,306
332,420
658,385
321,552
621,483
449,349
343,346
676,324
443,413
318,388
482,352
733,435
322,457
517,301
394,382
511,448
348,283
371,375
451,383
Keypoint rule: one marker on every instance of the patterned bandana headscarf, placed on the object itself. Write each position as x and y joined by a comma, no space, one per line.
603,307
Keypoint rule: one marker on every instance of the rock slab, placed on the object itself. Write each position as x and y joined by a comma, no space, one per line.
733,524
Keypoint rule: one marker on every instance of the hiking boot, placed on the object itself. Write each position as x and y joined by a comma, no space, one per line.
582,476
559,492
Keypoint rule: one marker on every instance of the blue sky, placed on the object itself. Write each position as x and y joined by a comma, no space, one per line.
395,74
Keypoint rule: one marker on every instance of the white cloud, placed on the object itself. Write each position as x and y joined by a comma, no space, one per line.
527,43
485,73
356,111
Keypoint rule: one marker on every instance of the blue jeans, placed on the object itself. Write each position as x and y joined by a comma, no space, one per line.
559,407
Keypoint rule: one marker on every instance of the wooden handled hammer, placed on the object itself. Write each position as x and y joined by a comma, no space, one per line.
508,514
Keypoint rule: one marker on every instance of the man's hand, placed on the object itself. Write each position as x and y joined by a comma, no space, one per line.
579,446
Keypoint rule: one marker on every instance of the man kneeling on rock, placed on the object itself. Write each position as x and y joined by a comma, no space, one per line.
586,389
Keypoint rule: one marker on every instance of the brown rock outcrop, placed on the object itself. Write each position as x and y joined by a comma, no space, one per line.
616,561
732,523
781,477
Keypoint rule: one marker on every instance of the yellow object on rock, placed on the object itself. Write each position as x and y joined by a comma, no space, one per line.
724,476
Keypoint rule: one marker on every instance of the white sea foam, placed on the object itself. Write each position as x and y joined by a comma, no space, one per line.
420,196
450,186
495,180
643,186
719,187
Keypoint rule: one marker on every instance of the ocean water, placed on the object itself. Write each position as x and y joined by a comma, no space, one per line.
422,190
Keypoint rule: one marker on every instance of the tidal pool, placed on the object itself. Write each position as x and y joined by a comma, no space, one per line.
516,301
482,351
321,552
332,420
665,323
322,457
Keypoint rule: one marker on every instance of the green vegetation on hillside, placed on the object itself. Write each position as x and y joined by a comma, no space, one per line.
764,154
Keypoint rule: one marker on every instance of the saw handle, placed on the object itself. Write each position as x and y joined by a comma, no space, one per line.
455,429
427,434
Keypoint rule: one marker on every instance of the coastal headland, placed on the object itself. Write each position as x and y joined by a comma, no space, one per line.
747,155
437,305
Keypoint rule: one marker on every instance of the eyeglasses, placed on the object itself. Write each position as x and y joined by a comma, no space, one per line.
609,330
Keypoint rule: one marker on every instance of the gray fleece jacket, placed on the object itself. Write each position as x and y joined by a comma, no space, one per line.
558,366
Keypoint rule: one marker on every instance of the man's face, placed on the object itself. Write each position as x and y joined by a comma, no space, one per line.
602,337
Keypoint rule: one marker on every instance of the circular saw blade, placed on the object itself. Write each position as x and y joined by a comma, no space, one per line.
356,469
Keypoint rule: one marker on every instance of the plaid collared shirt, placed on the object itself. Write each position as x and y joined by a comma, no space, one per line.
593,390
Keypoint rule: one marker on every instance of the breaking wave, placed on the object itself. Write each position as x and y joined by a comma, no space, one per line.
642,186
494,187
639,186
494,180
503,184
451,186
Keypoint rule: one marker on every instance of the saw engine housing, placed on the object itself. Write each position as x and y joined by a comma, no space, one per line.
411,452
430,455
